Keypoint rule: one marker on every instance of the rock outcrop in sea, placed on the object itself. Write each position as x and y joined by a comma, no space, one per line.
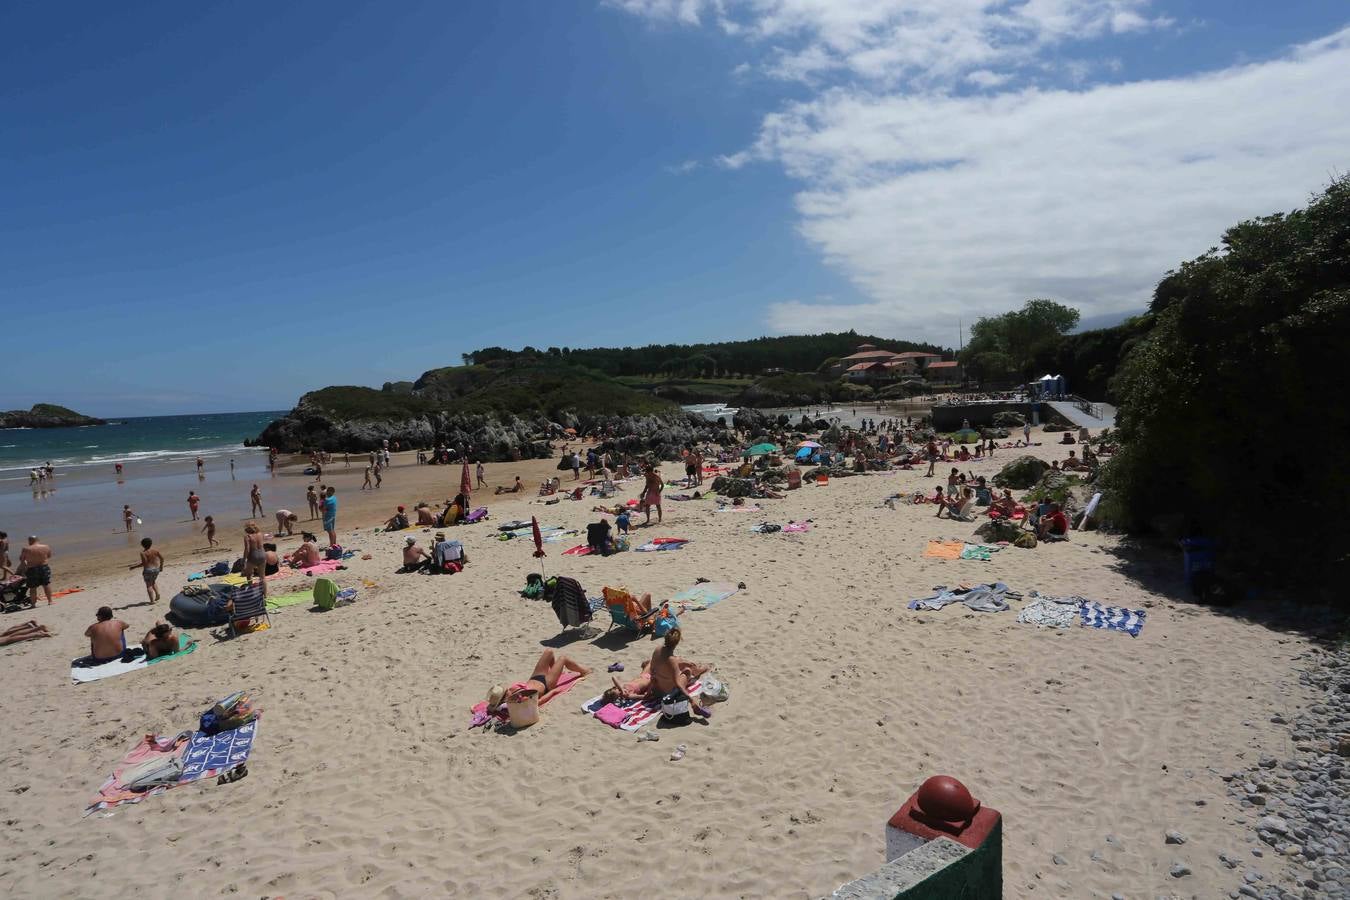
47,415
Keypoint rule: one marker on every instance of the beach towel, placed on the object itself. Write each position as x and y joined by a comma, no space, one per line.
235,579
1050,612
280,601
708,594
730,508
321,568
193,755
978,551
579,550
797,527
86,674
1112,618
631,717
944,549
67,592
478,515
980,598
480,715
662,544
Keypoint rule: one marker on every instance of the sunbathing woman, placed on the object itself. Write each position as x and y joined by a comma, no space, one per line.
640,688
28,631
543,681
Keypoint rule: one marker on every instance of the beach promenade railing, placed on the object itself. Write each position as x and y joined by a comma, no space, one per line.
1087,406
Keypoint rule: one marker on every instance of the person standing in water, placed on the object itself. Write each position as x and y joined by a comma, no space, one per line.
128,517
255,498
193,502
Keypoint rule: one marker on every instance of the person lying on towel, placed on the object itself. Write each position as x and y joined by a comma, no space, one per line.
543,681
160,641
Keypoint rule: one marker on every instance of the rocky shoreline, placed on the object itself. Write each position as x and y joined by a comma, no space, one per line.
497,437
1299,808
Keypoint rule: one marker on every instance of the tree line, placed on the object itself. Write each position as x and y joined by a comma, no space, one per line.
793,353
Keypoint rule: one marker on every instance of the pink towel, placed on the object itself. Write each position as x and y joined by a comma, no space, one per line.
579,550
630,718
479,710
323,568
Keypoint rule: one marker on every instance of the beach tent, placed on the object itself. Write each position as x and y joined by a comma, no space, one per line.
761,450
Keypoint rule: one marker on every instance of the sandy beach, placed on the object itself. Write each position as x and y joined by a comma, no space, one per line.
366,781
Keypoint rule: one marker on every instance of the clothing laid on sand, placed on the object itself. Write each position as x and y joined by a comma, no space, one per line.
980,598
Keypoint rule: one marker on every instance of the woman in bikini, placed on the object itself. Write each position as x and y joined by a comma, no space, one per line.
543,681
255,557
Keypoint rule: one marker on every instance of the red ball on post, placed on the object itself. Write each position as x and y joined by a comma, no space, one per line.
943,797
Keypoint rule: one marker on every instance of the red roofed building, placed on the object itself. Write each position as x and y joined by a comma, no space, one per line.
943,371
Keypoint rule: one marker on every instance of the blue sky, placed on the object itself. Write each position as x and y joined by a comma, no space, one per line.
210,209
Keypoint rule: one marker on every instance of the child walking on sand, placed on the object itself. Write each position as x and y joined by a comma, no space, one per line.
209,529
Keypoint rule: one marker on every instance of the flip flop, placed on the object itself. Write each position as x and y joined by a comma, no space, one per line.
616,667
649,736
678,754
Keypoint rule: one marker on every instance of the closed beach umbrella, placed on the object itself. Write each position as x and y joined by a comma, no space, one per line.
465,483
538,538
762,450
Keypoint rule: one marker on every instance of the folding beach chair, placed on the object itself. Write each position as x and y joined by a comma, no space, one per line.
624,610
249,603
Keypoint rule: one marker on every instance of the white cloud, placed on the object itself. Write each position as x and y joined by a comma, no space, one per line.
938,206
683,168
890,41
987,79
941,203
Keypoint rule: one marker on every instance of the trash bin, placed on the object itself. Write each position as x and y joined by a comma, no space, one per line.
1197,556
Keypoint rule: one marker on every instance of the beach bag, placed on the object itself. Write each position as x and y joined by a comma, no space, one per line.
227,714
675,708
664,623
523,711
220,568
333,552
715,691
325,593
534,586
1026,540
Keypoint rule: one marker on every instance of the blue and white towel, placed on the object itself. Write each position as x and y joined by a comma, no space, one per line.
1113,618
208,754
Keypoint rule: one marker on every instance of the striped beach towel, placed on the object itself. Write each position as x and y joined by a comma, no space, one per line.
1112,618
630,718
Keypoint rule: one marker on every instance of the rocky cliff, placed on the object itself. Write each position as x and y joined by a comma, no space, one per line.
46,415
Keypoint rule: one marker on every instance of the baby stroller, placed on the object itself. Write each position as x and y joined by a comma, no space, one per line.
14,595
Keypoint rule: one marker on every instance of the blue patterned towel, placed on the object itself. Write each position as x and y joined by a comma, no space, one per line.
1114,618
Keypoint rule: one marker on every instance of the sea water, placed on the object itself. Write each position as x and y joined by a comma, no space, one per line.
158,454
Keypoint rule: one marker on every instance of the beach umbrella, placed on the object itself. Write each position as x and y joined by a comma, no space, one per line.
538,538
762,450
539,553
808,444
465,483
